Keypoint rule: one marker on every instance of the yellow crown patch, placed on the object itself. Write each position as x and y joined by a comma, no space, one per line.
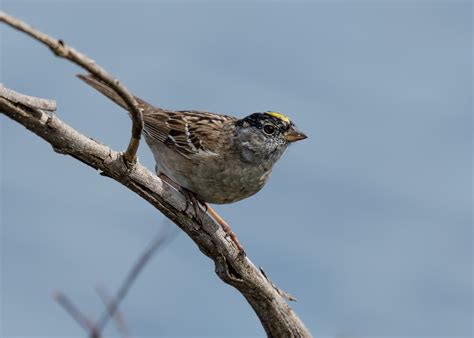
279,116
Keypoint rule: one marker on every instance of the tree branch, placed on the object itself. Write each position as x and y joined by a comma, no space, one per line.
159,242
95,328
276,316
29,101
62,50
117,316
74,312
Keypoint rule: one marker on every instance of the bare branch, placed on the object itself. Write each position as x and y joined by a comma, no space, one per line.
117,316
158,243
94,329
62,50
29,101
73,311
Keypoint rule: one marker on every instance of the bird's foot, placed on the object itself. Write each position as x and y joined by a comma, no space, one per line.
227,229
192,200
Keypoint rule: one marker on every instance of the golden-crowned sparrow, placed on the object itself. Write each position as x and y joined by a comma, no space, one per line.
218,158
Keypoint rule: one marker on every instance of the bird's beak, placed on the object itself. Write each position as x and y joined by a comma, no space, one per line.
293,135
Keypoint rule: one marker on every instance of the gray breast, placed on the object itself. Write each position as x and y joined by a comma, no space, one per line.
214,179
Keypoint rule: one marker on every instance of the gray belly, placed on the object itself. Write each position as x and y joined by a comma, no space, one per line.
211,178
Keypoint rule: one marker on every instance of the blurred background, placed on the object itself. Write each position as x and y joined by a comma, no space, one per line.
368,223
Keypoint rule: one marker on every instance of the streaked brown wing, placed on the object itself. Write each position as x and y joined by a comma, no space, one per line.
187,132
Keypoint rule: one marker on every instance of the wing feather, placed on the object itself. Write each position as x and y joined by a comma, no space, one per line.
188,132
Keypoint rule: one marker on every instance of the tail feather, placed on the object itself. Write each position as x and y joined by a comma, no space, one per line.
105,89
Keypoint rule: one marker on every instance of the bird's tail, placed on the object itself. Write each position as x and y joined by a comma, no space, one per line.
104,88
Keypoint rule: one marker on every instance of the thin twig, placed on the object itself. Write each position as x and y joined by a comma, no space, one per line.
94,330
26,100
60,49
158,243
118,318
73,311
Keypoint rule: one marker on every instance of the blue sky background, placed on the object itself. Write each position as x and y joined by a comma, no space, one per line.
368,222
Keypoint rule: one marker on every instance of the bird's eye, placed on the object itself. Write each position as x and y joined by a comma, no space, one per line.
268,129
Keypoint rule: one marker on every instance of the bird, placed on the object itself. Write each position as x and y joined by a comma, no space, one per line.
214,158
